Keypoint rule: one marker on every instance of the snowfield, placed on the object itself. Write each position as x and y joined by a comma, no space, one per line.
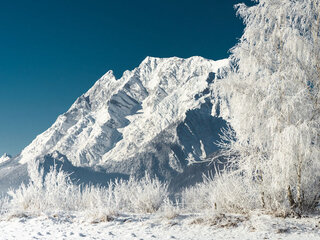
157,226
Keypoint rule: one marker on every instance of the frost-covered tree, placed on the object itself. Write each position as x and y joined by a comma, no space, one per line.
273,104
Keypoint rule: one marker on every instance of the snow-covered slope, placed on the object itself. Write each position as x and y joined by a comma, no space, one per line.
155,118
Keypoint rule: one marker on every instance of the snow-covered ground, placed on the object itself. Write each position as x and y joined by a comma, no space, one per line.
157,226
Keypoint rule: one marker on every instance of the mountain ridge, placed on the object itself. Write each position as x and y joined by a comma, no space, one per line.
128,94
155,118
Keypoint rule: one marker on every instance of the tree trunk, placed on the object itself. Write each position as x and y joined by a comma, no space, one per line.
290,198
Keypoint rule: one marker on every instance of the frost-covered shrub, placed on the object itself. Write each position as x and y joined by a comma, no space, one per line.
54,192
198,198
144,195
226,192
98,203
148,194
4,205
170,209
232,192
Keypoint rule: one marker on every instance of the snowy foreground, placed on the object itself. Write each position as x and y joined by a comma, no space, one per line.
155,226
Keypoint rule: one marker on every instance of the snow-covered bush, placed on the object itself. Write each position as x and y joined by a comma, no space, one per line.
231,192
148,194
170,209
144,195
225,192
51,192
199,197
97,203
4,205
55,192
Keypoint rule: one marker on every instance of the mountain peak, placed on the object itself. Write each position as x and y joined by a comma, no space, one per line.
5,157
148,116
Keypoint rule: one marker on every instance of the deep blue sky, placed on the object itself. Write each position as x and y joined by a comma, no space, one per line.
52,51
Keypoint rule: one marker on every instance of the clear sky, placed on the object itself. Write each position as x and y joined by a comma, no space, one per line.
52,51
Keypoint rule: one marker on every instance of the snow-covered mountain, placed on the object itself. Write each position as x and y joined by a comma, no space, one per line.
5,157
155,118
